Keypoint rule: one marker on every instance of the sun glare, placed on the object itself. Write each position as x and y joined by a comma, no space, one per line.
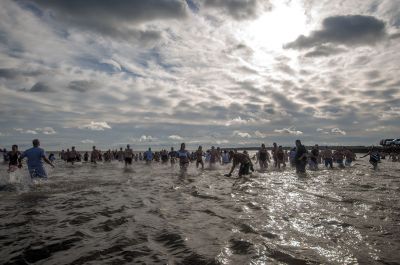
273,29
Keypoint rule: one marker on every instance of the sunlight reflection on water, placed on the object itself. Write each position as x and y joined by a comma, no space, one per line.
105,213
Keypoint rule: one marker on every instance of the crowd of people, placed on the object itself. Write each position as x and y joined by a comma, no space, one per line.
298,157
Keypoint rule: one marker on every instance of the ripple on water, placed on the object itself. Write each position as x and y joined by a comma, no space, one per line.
151,215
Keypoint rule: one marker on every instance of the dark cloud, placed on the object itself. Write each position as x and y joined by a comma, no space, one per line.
116,17
347,30
324,50
283,67
284,102
373,74
40,87
12,73
81,85
377,83
239,9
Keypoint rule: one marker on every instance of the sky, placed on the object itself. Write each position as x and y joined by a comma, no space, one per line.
211,72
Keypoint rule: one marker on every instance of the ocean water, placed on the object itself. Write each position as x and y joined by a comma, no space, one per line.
105,214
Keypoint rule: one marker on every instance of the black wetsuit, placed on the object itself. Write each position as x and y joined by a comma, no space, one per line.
315,154
301,164
263,155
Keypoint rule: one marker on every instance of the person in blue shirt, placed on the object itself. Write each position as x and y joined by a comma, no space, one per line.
148,156
36,156
184,157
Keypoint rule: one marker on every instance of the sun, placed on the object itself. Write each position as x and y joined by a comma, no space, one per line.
272,30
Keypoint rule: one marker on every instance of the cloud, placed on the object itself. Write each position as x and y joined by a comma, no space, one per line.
259,134
236,121
239,9
82,85
175,137
87,141
96,126
324,50
337,131
115,18
146,138
12,73
391,112
222,141
349,30
46,130
40,87
290,130
20,130
242,134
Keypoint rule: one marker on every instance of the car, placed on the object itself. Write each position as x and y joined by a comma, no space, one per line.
386,142
395,142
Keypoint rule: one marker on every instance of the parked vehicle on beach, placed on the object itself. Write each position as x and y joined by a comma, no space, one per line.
386,142
396,142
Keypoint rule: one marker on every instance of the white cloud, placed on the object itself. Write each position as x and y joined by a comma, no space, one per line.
260,134
242,134
290,130
377,129
338,131
236,121
46,130
222,142
96,126
175,137
87,141
146,138
20,130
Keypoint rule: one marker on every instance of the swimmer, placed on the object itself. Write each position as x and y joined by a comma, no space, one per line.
327,155
172,156
164,156
300,157
128,155
35,155
244,161
14,157
52,157
314,158
374,157
274,150
338,156
95,155
263,157
184,157
349,157
120,155
86,157
199,157
148,156
292,155
71,155
225,158
280,156
214,156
